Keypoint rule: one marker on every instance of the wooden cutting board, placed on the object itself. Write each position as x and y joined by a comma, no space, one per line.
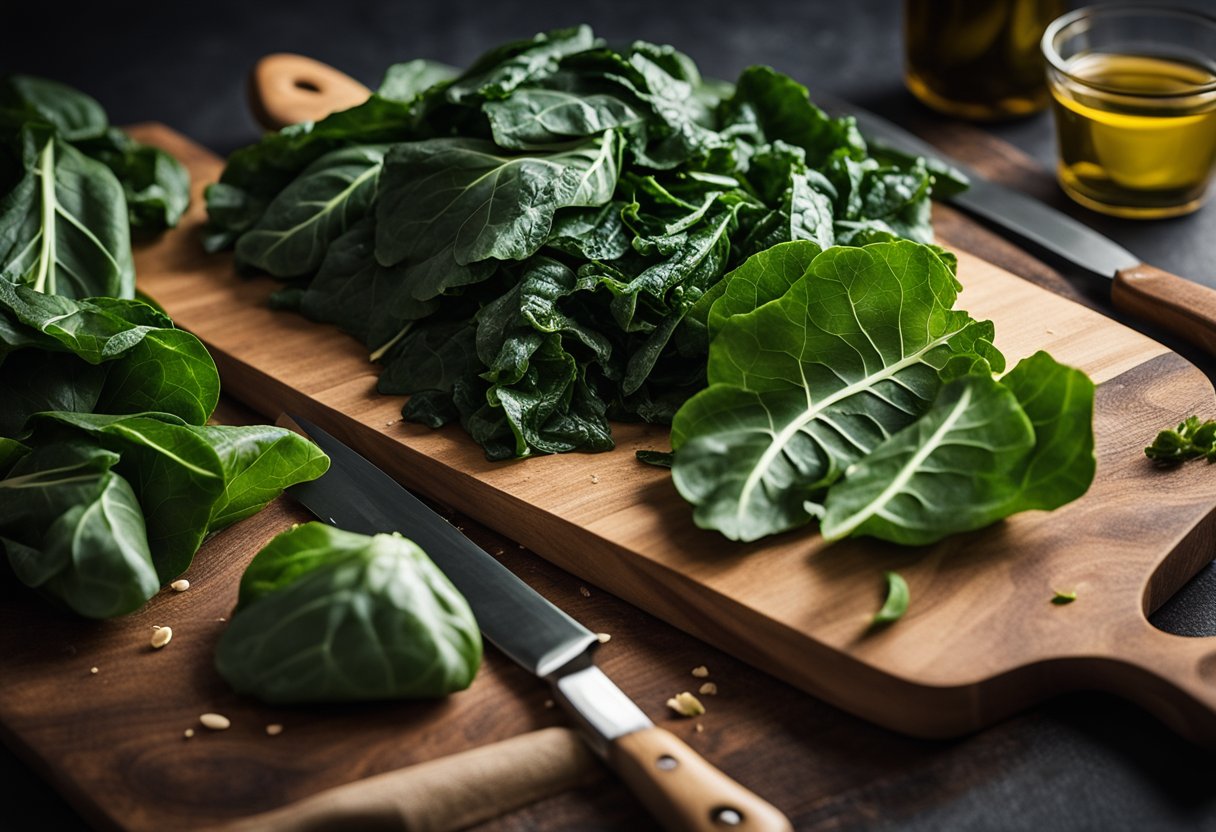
981,639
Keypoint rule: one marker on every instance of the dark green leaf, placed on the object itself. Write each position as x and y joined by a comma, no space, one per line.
330,616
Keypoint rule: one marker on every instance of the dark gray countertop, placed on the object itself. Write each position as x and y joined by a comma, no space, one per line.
1093,763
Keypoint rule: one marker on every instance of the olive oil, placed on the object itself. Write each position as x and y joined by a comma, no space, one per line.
1137,133
978,59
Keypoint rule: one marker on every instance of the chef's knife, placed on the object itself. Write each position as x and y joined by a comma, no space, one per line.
680,788
1178,306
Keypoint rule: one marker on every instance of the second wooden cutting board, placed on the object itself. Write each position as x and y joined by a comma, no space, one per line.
981,639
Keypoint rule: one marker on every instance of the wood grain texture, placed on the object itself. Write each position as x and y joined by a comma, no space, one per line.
981,640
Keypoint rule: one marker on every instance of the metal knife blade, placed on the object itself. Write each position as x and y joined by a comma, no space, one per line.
1027,217
681,789
1174,305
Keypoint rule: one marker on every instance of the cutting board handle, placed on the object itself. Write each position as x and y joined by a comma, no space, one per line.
288,89
1173,677
1178,306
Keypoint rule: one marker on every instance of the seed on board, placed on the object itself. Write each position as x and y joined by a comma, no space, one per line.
161,636
94,671
216,722
709,689
583,591
700,728
180,585
188,733
701,671
685,704
549,703
595,478
274,729
604,638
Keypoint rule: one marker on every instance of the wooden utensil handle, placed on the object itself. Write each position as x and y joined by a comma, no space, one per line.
1179,306
683,791
288,89
451,793
1173,677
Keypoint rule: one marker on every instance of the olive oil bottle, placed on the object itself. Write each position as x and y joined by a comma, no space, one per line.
1137,133
978,59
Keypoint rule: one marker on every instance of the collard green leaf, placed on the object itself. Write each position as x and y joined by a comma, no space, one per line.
805,385
64,230
330,616
73,115
145,364
325,201
73,528
987,449
175,473
466,194
497,73
406,81
537,118
156,185
258,461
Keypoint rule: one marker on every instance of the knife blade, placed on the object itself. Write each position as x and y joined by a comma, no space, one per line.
1184,309
680,788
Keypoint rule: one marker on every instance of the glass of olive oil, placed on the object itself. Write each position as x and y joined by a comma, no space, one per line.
1134,94
977,59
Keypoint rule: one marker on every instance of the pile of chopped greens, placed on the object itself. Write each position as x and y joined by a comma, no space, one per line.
522,244
110,476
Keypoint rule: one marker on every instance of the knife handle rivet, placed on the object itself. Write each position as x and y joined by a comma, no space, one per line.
726,816
667,762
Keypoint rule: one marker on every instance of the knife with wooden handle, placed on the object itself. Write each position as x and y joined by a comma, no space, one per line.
1183,308
684,792
444,795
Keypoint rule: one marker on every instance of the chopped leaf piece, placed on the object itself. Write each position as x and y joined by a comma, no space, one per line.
896,604
1192,439
1061,598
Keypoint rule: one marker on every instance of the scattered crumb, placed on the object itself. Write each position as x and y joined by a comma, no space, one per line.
94,671
549,703
700,672
161,636
709,689
216,722
685,704
1060,598
389,424
499,551
188,733
1051,332
221,619
274,729
522,546
604,638
583,591
700,728
594,479
180,585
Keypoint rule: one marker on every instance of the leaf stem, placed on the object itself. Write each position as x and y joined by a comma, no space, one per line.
379,353
45,281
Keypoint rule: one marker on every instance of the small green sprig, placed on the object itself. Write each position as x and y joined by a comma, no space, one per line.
1192,439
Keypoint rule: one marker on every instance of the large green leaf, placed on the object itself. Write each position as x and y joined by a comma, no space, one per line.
985,450
156,185
330,616
64,228
535,118
497,73
258,461
805,385
327,198
73,115
466,194
175,472
74,529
